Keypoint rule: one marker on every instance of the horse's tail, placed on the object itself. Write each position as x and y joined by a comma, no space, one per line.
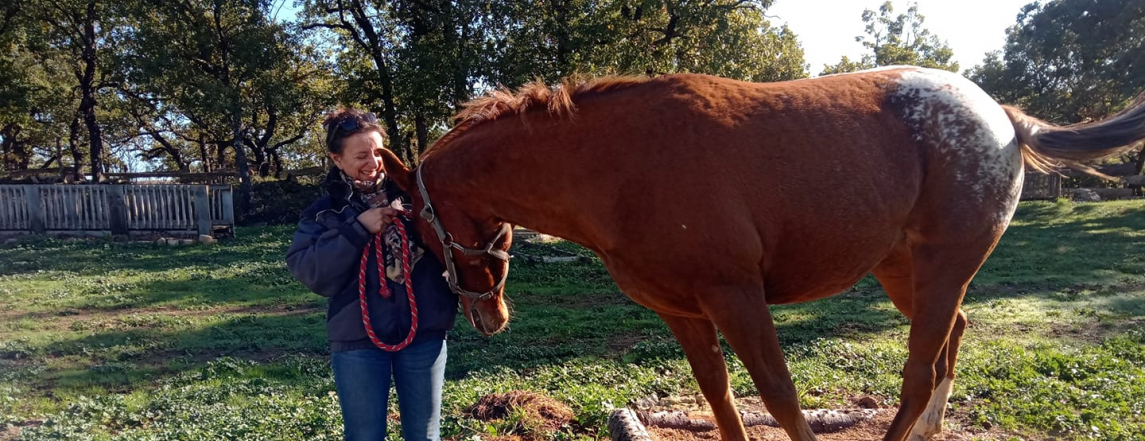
1046,146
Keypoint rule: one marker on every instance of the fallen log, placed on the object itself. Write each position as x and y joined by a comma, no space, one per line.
675,419
821,420
624,425
629,425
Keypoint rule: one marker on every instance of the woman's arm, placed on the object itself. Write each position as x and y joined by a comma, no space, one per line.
324,259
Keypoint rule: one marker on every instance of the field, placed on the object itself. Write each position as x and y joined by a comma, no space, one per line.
118,340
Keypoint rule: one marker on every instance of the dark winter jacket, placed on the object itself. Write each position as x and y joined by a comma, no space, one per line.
325,255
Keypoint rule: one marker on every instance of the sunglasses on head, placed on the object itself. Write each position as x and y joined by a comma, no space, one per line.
348,124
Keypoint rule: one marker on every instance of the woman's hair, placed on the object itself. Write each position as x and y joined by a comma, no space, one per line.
345,122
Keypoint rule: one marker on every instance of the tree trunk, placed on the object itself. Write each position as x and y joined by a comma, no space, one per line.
88,91
1139,167
205,155
276,163
221,156
376,51
461,59
242,202
564,44
75,148
16,153
390,109
422,128
260,162
9,134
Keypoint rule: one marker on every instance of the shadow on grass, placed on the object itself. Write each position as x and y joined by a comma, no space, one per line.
99,257
562,312
1060,244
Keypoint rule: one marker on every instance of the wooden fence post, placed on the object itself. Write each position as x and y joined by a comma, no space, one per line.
228,206
117,210
36,213
202,209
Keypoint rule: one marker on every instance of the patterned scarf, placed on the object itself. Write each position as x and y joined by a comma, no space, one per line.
373,195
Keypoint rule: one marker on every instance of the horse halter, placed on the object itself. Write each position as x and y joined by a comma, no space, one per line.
447,242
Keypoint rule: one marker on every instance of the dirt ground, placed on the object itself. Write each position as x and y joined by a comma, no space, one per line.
870,430
955,428
549,414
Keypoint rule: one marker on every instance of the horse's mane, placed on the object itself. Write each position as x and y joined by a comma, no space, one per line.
560,101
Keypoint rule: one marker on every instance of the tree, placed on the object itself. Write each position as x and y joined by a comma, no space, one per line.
82,29
416,60
730,38
370,28
220,65
894,40
1070,60
39,96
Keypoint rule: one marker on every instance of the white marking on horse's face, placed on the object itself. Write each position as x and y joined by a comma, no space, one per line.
968,129
715,348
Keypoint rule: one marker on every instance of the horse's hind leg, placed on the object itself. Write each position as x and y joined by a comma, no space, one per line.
895,273
743,317
940,274
701,345
930,423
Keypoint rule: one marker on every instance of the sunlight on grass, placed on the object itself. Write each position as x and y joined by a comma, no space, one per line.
102,340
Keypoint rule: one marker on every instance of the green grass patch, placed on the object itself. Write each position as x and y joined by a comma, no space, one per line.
110,340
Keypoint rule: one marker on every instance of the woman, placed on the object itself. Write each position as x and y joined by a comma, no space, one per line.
358,215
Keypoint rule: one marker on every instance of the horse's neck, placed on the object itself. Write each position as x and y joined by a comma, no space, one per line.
542,189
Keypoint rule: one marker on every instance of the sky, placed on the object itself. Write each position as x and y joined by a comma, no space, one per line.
827,28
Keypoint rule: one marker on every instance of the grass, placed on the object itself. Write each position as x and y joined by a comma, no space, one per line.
109,340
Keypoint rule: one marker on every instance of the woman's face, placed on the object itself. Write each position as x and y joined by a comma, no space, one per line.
361,157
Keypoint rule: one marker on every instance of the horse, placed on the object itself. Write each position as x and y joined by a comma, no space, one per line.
708,199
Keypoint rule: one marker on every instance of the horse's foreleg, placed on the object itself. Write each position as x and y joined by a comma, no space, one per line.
701,345
746,323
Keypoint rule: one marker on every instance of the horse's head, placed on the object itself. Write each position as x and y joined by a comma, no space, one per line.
473,246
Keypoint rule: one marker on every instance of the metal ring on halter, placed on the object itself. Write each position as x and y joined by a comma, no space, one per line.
448,243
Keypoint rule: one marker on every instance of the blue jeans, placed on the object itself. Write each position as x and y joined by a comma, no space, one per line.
362,378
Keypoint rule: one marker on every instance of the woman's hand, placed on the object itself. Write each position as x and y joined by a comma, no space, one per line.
376,219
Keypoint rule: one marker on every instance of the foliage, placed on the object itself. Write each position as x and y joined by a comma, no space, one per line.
1068,61
280,202
416,62
727,38
897,40
55,76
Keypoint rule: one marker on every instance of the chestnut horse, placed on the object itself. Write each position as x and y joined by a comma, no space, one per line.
709,199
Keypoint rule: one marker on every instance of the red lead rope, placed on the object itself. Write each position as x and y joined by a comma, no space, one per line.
384,290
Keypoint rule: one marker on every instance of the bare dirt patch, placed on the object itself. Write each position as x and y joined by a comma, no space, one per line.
955,427
536,414
12,432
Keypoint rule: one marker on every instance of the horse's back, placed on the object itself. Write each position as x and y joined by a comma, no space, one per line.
813,181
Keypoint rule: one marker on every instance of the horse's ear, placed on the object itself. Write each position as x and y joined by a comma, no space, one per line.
397,171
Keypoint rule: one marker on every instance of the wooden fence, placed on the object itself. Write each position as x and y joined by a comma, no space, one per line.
118,209
1041,186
